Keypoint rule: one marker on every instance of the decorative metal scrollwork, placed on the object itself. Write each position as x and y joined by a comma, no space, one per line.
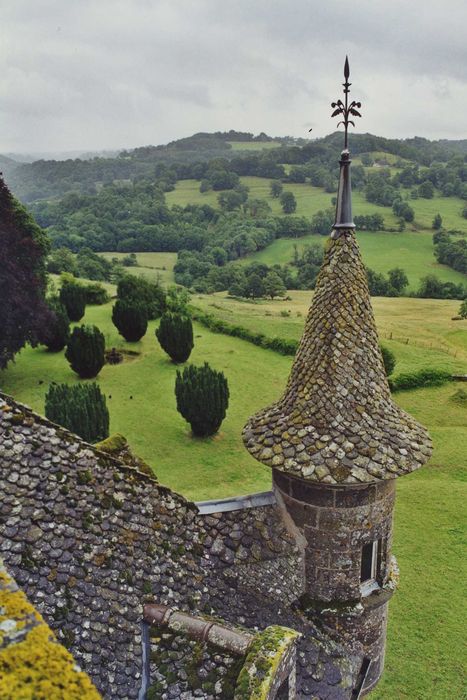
345,108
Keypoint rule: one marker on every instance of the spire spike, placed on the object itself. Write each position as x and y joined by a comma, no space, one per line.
346,68
344,221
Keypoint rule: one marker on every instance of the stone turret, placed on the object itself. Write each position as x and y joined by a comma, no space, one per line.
336,442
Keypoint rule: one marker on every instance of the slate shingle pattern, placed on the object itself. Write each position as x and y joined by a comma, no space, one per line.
336,422
32,664
91,539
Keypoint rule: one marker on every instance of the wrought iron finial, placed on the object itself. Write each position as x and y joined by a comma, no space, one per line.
346,109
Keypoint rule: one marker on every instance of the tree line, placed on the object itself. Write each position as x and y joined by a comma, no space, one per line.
450,250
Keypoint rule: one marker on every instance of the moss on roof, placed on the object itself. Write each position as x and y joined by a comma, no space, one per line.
117,446
265,655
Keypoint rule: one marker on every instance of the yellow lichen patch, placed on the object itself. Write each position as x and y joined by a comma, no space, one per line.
15,610
39,668
33,665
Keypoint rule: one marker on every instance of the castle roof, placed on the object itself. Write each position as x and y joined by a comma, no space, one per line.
91,539
336,422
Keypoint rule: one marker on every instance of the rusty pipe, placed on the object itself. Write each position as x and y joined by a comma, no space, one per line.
198,628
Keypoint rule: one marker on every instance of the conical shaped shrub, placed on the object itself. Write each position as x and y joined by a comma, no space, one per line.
73,298
202,398
80,408
175,335
85,351
55,334
130,319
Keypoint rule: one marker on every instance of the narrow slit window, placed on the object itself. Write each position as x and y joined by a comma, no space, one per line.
371,557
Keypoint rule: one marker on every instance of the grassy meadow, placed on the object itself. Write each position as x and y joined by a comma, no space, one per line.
311,199
450,209
149,419
419,331
382,251
425,628
153,266
253,145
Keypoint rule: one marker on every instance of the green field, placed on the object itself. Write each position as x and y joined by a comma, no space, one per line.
153,266
150,420
381,251
426,634
450,209
390,158
311,199
420,332
253,145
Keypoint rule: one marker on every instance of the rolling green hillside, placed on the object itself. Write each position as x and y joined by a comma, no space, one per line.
450,209
381,251
428,527
253,145
153,266
309,199
412,249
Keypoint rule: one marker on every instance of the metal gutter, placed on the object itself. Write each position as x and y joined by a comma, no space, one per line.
224,505
145,664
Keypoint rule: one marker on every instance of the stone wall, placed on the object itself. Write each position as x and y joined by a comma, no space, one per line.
255,552
336,523
90,539
333,525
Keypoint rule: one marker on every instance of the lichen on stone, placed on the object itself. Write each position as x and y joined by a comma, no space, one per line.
33,665
262,662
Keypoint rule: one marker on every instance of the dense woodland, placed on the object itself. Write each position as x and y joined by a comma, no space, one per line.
119,204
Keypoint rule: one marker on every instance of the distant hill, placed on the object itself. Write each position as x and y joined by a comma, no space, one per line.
49,178
61,155
7,166
83,172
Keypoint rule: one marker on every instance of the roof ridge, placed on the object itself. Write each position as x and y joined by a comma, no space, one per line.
101,454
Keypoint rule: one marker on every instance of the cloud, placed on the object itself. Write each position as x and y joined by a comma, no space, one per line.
120,73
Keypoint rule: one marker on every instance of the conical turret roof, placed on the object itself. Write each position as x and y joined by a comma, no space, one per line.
336,422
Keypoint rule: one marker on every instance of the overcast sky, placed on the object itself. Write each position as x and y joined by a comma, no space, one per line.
103,74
